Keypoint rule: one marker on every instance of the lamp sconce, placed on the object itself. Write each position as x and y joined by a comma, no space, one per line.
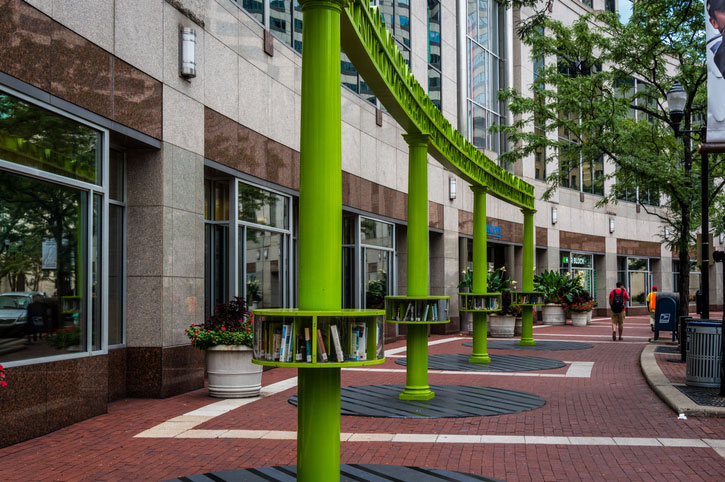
554,215
451,188
266,253
611,225
667,232
721,238
187,52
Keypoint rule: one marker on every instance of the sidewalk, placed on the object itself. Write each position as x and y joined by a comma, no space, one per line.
600,423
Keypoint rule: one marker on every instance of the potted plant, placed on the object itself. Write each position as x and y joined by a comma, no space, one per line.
580,306
503,323
3,383
227,338
589,313
558,289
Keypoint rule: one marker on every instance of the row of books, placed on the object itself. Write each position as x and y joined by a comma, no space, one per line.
344,342
422,310
481,302
529,299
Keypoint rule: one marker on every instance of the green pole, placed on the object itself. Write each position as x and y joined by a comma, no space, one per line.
480,275
527,278
320,231
416,382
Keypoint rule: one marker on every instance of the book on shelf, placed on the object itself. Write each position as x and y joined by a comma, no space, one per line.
335,334
362,341
283,348
276,344
409,312
263,349
443,309
379,345
435,312
301,349
308,345
321,352
425,313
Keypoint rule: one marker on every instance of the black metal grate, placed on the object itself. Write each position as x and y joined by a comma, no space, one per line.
499,363
703,396
540,345
667,349
348,473
450,401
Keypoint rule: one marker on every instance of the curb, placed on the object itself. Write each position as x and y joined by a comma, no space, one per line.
665,389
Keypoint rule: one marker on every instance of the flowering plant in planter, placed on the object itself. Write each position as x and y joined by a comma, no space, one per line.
581,302
231,324
3,383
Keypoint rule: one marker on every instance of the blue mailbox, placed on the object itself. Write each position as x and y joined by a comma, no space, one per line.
666,314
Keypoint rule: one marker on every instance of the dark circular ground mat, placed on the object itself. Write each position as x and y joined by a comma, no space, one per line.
450,401
499,363
667,349
540,345
348,472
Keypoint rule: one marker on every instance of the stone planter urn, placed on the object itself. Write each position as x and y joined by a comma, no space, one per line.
553,314
517,326
232,373
589,317
579,318
502,326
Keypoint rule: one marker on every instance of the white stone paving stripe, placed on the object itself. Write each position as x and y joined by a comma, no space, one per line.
577,369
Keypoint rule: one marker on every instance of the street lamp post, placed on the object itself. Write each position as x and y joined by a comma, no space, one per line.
676,100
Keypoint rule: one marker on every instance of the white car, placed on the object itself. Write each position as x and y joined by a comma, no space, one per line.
14,310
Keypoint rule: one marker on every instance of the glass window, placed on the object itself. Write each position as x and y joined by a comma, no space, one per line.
43,268
435,79
263,207
265,263
116,274
41,139
255,8
376,233
280,19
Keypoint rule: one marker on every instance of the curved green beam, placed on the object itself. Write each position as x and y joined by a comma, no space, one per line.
371,48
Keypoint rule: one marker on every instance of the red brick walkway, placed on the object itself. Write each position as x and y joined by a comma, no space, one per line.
614,402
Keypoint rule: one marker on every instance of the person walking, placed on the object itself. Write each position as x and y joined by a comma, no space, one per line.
617,302
652,305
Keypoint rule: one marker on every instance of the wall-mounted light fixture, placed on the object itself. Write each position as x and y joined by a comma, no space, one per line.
452,188
554,215
721,237
611,225
187,52
667,232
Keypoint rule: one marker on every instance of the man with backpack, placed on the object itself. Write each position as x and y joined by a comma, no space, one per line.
617,300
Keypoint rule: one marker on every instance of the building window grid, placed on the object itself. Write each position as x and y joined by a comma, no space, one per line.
484,108
435,76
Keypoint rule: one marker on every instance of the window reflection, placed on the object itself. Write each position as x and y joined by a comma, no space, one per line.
263,207
38,138
43,252
265,266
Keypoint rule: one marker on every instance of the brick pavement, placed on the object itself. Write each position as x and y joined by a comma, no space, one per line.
614,402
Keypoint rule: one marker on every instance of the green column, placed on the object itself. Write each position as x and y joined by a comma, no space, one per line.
416,382
527,278
480,275
320,231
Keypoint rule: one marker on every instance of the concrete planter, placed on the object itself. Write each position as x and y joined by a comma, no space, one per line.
232,373
553,314
579,318
517,326
589,317
502,326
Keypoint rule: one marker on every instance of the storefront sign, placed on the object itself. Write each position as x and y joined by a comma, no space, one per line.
493,231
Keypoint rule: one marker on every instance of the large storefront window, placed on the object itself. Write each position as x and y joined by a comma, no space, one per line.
54,272
582,265
368,260
636,275
695,277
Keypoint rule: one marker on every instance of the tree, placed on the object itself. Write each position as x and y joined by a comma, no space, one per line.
583,107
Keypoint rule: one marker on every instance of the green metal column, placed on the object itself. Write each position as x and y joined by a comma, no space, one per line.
320,232
527,278
480,275
416,382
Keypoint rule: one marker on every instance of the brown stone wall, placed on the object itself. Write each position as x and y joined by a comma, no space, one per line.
116,374
435,215
154,372
47,55
511,232
581,242
465,222
45,397
638,248
542,236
